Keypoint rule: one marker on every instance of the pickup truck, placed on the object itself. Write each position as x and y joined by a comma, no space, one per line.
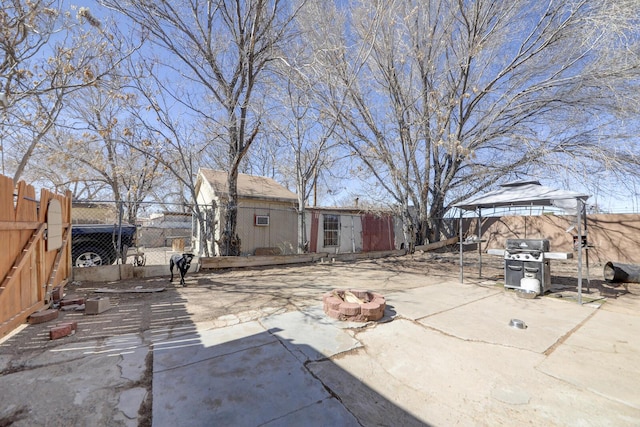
96,244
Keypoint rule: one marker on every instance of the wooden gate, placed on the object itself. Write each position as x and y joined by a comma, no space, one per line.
31,264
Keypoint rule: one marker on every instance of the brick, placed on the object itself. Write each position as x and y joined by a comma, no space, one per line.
71,301
379,300
60,331
96,305
360,294
371,306
72,323
56,294
334,303
43,316
372,311
333,313
350,308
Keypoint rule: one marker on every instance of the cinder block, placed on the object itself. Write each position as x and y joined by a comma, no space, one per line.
96,305
60,331
43,316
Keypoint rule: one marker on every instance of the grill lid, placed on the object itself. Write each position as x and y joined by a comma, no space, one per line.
528,245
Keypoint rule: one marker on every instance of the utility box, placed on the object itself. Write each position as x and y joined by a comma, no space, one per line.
97,305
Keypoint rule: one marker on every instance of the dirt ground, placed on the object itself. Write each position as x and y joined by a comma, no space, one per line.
238,295
221,298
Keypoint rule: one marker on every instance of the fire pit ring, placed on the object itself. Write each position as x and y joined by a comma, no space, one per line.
354,305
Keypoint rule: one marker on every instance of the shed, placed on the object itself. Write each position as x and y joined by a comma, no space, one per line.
351,229
528,193
267,213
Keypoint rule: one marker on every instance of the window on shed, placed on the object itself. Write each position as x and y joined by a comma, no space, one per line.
331,230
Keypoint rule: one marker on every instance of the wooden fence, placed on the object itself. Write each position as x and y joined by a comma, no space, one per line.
36,255
611,237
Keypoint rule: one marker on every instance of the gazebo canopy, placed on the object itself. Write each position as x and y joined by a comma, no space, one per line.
523,193
526,193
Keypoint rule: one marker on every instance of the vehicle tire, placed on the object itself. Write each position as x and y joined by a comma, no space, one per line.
90,257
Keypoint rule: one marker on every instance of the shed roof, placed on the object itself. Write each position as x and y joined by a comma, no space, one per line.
249,186
523,193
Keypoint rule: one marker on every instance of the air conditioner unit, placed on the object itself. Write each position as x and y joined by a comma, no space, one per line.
262,220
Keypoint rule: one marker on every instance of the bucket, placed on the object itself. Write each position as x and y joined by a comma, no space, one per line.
530,284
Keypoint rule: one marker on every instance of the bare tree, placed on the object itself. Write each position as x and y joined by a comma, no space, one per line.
94,143
179,146
222,48
297,147
46,53
306,132
454,96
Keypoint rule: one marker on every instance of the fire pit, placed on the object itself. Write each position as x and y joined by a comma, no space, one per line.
354,305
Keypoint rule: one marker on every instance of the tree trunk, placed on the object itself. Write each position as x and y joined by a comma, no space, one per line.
229,241
408,228
434,224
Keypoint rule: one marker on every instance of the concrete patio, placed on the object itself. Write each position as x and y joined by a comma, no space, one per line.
448,357
255,348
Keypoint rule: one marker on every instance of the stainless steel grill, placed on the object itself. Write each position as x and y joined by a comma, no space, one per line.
526,258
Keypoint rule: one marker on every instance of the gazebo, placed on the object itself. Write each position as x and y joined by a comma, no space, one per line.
527,194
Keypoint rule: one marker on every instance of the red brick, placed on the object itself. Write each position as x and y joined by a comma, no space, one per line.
43,316
334,303
360,294
73,323
379,300
56,293
60,331
350,308
373,305
72,301
333,313
372,311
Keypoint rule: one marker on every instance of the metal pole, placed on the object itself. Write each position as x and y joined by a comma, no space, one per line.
119,254
460,245
586,248
480,243
579,229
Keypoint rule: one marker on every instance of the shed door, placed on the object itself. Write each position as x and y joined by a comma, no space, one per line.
377,233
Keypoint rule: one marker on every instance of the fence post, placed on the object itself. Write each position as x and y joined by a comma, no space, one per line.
119,244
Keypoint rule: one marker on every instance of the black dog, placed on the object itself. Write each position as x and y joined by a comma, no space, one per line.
182,262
